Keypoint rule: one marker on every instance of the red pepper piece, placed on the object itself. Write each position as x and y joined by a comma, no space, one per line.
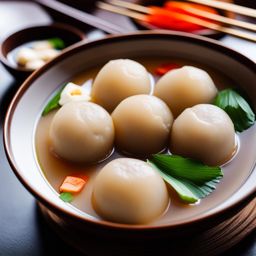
164,68
187,8
163,18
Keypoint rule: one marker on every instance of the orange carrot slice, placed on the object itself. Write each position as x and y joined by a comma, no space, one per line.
166,19
72,184
188,8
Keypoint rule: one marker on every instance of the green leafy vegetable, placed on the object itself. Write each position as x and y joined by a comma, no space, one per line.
191,179
66,197
57,43
53,103
237,108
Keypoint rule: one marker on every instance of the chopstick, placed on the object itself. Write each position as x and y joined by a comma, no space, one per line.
125,12
82,16
227,7
185,17
192,10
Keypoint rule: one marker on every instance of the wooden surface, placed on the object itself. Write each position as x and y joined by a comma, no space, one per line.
211,242
23,231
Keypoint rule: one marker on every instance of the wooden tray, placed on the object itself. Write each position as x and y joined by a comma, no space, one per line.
210,242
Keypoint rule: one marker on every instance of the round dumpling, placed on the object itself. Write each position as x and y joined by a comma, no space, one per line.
142,124
82,132
117,80
204,132
129,191
185,87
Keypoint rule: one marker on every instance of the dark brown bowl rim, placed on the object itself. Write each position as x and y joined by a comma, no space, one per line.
54,25
209,218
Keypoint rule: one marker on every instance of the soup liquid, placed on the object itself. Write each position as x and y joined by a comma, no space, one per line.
235,171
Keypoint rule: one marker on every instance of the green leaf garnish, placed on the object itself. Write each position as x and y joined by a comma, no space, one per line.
191,179
237,108
57,43
53,103
66,197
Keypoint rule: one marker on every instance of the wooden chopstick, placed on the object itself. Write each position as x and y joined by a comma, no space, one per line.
222,19
82,16
125,12
227,7
132,6
192,10
185,17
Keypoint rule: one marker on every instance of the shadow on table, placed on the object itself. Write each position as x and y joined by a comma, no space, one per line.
8,87
246,247
51,244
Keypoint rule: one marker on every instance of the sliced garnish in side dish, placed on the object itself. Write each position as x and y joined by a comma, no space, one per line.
191,179
53,103
237,108
66,197
73,184
164,68
57,43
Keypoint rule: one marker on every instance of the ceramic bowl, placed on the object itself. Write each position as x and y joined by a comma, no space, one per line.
95,236
69,34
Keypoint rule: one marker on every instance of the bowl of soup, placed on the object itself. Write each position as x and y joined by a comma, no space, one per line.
128,148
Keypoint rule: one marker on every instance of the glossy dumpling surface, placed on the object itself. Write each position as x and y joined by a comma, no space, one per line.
204,132
129,191
82,132
185,87
117,80
142,124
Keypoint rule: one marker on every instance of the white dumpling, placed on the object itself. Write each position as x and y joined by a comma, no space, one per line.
48,54
25,55
204,132
82,132
185,87
142,124
129,191
42,45
117,80
34,64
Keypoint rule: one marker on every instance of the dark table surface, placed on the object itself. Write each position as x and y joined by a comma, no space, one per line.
22,228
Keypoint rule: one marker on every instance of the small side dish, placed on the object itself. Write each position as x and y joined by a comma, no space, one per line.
28,49
180,129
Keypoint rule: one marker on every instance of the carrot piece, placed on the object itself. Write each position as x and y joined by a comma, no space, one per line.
188,8
80,175
184,7
72,184
166,19
164,68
